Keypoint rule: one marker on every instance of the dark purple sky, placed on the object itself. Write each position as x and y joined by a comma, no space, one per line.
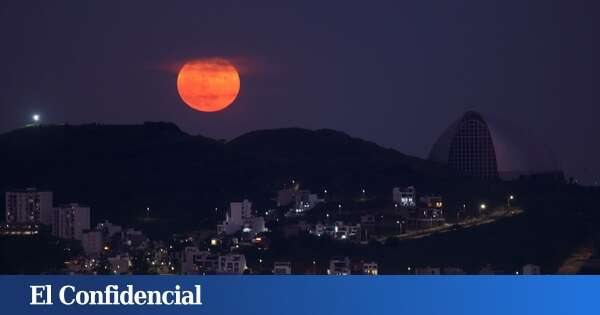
395,72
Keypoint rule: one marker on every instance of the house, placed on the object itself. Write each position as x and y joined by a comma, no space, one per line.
282,268
339,266
232,264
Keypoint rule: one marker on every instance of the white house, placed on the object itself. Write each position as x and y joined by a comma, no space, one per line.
239,217
370,268
405,197
232,264
282,268
339,266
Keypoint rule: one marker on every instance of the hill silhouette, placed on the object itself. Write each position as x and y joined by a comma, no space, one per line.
120,170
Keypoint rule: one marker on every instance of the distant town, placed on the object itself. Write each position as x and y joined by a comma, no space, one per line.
107,248
159,201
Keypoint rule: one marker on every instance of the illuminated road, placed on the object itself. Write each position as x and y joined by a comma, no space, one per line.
573,264
448,227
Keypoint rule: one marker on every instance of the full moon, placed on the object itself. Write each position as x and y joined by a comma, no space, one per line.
208,85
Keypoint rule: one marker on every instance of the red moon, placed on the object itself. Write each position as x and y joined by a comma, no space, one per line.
208,85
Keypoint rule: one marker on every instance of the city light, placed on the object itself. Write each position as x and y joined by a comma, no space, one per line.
482,206
36,118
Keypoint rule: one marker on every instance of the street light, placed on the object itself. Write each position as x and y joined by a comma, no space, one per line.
511,197
482,208
36,118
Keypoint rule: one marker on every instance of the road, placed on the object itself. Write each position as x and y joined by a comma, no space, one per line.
448,227
573,264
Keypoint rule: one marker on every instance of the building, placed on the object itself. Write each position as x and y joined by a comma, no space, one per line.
239,217
207,262
187,260
29,206
82,265
92,242
21,229
338,230
134,238
282,268
232,264
70,221
370,268
119,264
404,197
298,200
194,261
339,266
109,229
489,148
432,201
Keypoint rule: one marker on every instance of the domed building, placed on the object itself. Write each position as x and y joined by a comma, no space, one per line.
488,148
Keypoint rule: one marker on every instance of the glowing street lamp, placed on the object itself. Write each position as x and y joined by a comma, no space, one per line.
508,200
482,206
36,118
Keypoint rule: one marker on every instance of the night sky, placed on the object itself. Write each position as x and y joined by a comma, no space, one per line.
394,72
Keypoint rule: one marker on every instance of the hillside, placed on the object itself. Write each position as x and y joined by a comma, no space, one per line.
121,170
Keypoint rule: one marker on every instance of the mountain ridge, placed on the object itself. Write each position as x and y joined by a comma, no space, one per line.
120,170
